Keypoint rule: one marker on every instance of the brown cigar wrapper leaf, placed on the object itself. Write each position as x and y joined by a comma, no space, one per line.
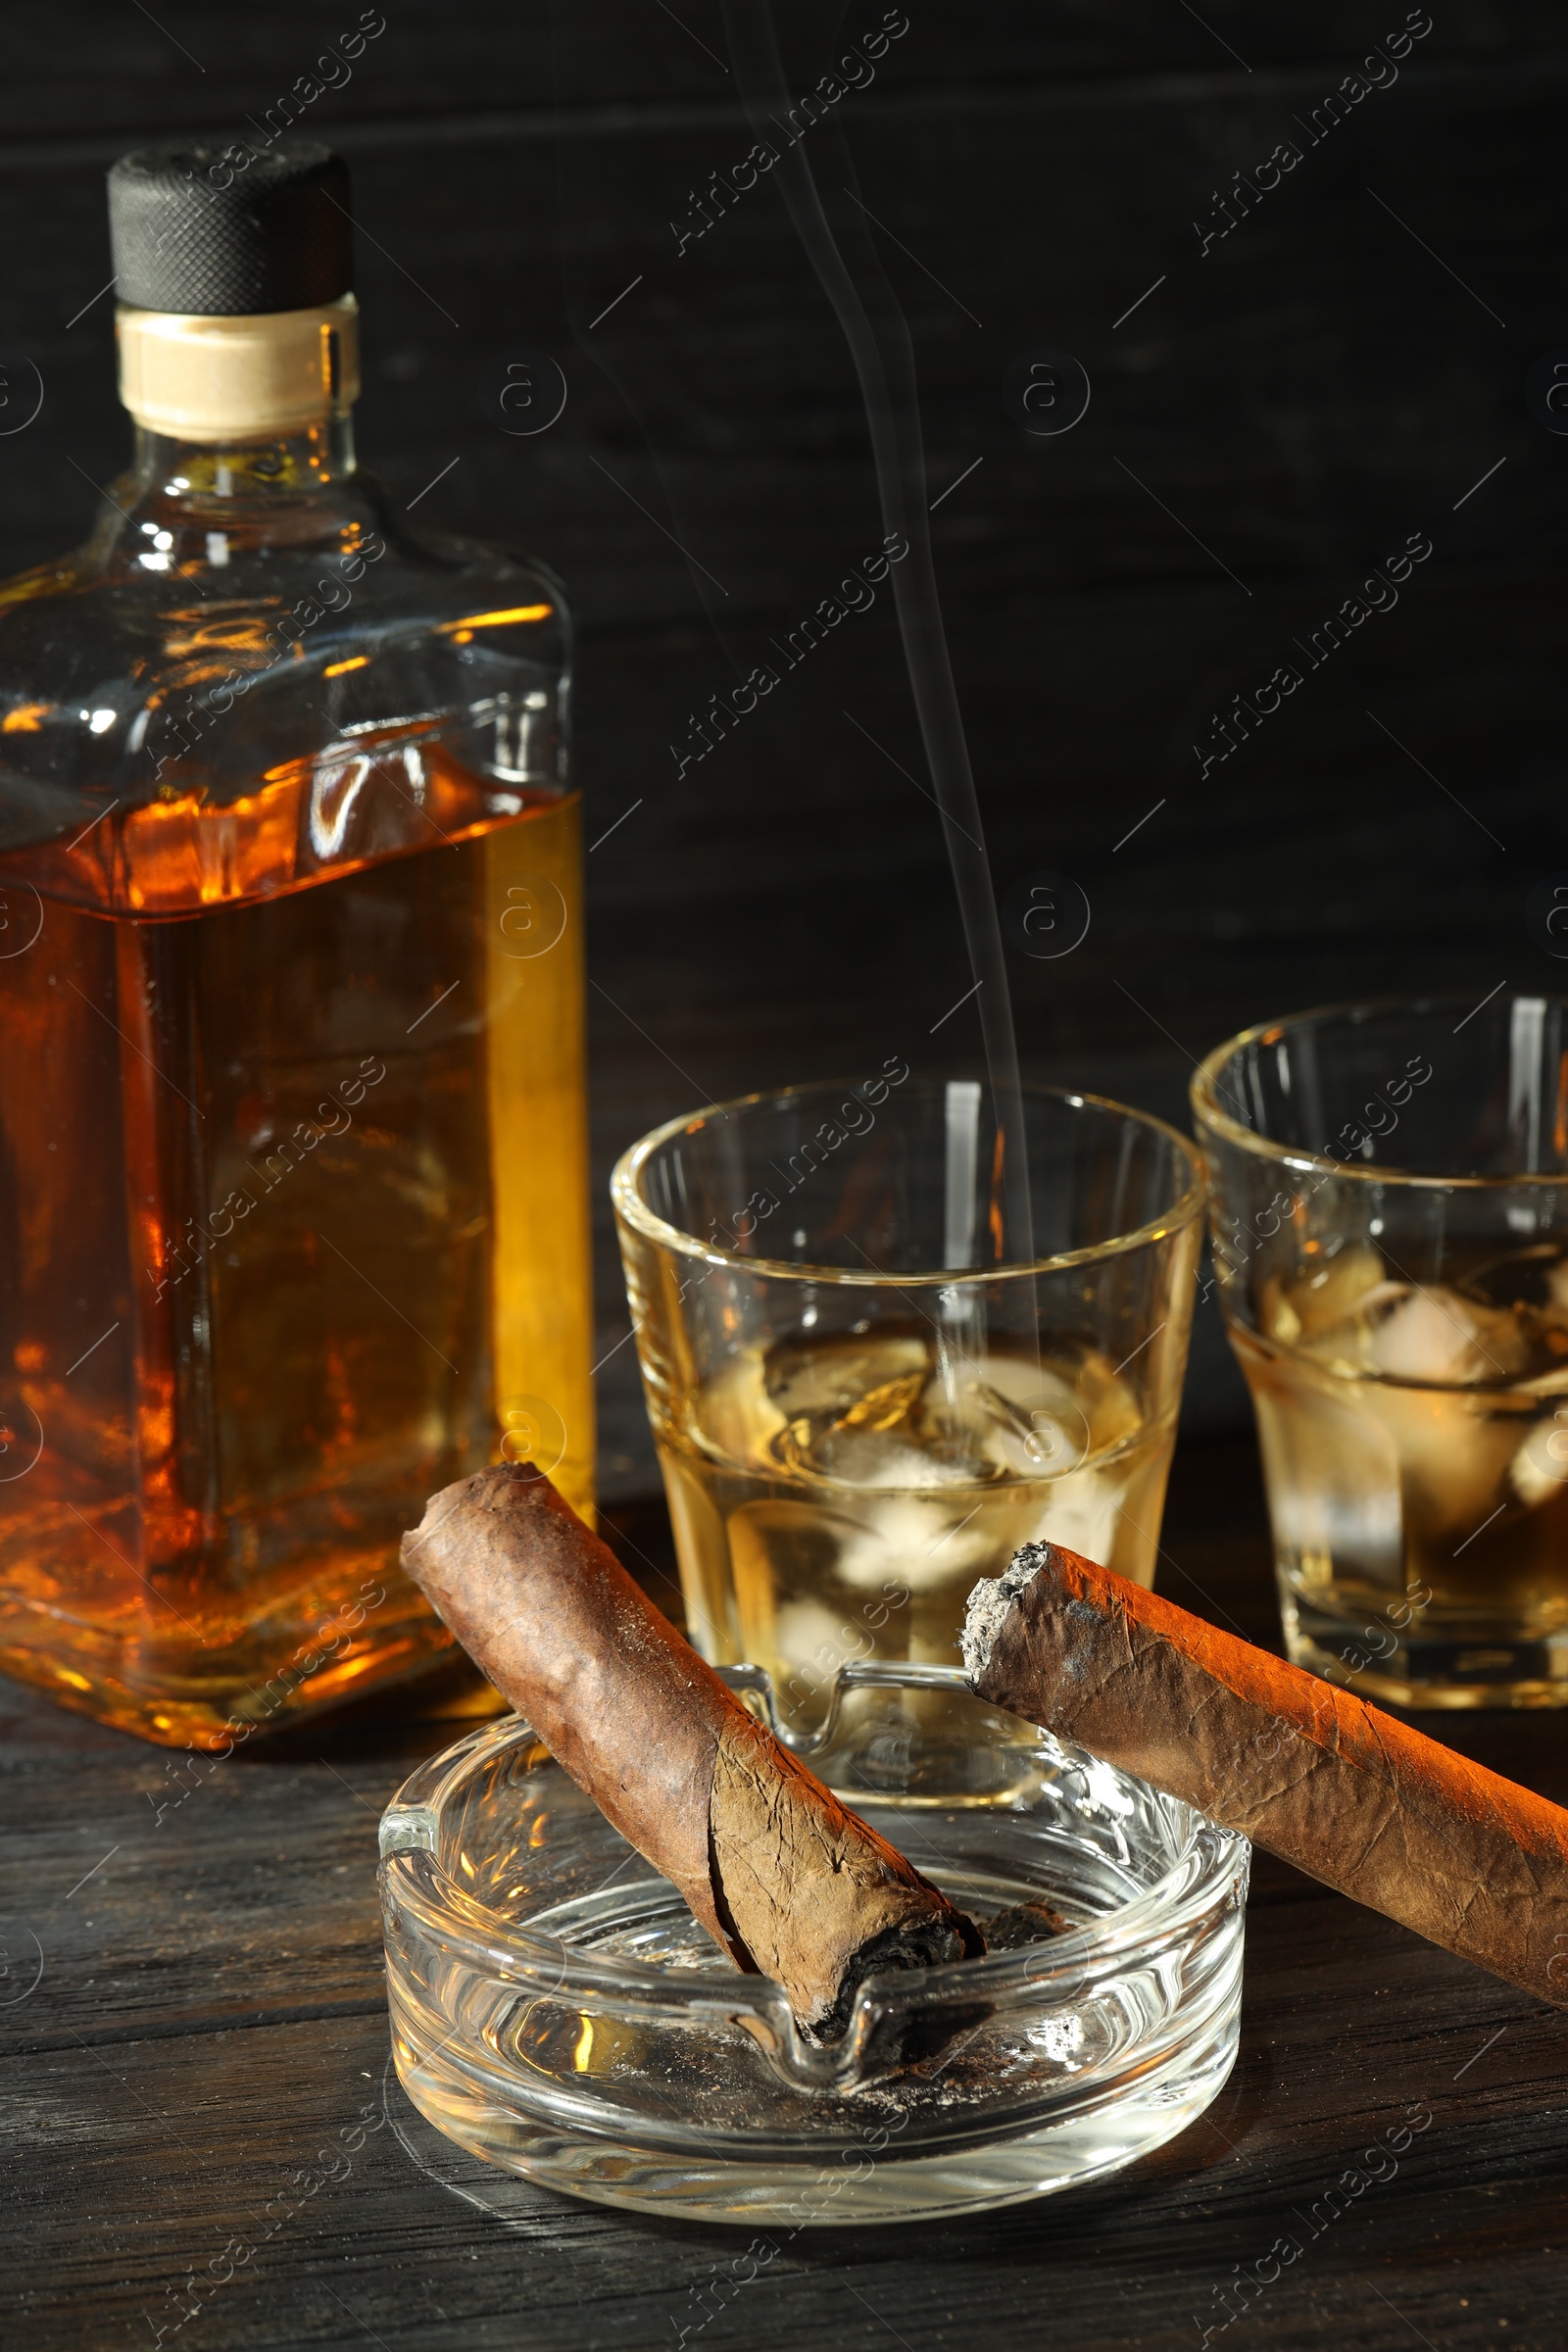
1310,1773
788,1882
817,1898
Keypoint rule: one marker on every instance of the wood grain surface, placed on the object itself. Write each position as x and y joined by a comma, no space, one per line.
210,2016
1279,411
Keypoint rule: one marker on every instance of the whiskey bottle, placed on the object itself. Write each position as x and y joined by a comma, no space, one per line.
293,1200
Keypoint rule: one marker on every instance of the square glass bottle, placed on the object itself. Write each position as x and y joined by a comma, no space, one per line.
293,1168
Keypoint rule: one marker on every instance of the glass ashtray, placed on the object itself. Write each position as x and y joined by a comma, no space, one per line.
556,2010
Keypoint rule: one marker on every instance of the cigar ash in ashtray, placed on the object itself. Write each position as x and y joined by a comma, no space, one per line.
1021,1923
788,1883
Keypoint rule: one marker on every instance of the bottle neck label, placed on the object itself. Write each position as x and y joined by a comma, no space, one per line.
203,378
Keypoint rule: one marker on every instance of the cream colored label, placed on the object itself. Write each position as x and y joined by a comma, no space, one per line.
203,378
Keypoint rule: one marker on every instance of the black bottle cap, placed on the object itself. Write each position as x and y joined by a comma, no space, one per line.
226,229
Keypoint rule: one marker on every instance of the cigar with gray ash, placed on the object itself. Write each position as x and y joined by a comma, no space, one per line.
1361,1800
788,1882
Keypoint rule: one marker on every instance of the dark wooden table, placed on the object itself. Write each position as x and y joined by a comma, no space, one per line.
192,2008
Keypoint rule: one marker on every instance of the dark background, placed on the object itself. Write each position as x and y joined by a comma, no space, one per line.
1321,384
1327,381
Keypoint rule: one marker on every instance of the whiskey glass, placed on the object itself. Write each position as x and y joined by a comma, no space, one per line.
1389,1219
857,1416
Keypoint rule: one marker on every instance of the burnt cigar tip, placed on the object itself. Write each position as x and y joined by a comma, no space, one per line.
993,1597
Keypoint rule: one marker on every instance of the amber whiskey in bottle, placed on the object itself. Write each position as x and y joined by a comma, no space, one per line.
293,1193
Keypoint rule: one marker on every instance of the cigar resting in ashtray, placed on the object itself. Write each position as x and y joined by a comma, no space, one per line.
1345,1793
787,1881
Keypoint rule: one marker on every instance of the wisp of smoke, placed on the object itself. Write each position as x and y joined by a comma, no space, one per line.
884,363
